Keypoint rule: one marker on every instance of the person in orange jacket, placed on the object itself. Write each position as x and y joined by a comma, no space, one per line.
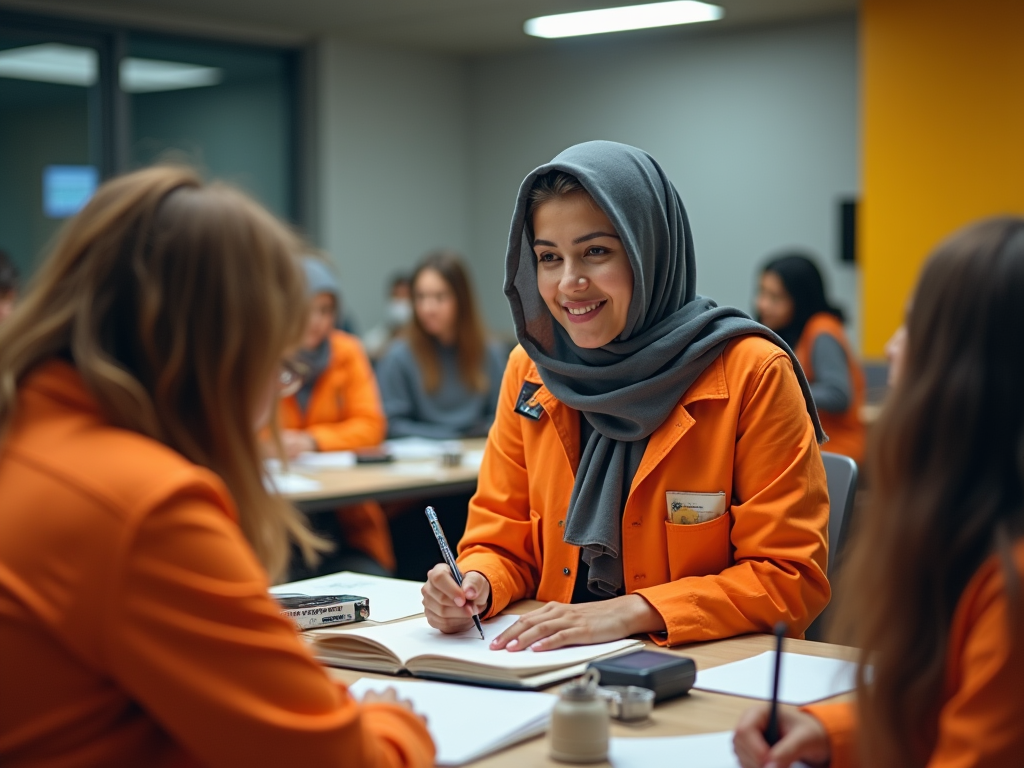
137,538
654,464
931,591
791,301
337,408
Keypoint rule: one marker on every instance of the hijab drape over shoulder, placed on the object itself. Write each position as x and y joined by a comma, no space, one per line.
627,388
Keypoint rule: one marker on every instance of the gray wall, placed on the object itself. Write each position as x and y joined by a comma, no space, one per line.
394,172
758,130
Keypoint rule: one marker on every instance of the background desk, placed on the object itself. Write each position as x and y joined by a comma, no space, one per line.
698,712
391,481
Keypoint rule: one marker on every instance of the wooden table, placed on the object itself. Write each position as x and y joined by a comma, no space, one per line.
392,481
697,712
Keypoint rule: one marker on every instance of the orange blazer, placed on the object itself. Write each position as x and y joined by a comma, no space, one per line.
344,410
982,705
345,413
135,622
742,428
845,430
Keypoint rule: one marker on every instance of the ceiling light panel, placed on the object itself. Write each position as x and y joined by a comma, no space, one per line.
622,19
77,65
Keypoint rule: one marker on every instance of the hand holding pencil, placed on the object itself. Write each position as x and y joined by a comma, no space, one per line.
453,602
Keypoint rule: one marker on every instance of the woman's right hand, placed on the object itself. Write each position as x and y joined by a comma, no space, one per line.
803,738
448,606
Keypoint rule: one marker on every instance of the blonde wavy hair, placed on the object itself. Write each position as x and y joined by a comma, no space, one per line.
175,300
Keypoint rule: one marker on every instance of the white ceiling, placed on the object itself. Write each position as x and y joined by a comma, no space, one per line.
461,27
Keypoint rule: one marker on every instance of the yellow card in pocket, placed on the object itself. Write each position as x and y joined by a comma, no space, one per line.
685,508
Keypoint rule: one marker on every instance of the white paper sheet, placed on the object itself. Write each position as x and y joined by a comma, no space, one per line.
420,448
467,722
289,482
325,460
417,638
390,599
804,678
704,750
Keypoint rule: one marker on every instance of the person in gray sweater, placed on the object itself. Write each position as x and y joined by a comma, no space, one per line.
441,378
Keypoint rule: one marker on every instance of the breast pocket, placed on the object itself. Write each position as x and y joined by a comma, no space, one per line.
700,549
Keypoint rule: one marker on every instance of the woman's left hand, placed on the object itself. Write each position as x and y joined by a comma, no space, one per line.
557,625
295,442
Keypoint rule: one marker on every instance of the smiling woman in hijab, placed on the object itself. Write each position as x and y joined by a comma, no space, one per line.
654,462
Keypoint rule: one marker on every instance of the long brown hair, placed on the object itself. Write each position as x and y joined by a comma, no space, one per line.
470,335
947,476
175,300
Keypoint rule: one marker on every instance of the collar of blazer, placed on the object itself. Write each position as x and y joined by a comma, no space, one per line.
710,385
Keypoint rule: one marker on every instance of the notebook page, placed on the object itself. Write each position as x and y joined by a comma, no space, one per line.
461,719
390,599
704,750
409,639
804,679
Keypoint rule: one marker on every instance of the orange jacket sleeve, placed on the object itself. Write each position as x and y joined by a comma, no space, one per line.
362,423
195,639
780,520
502,514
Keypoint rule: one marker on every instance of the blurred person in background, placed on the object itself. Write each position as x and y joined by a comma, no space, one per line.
8,285
791,301
397,314
336,407
441,378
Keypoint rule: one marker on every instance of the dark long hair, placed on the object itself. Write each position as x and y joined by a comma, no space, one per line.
947,475
470,337
802,280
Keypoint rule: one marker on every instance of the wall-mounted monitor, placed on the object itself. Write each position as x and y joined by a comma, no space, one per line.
66,188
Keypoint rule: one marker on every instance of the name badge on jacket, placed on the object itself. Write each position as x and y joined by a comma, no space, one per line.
526,404
686,508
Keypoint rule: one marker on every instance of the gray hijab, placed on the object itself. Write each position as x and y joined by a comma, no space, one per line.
626,388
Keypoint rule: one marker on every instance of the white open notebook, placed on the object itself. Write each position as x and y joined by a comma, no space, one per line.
416,647
461,719
390,599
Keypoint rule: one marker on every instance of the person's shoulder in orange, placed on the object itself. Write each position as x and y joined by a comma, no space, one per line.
847,433
979,720
344,410
135,619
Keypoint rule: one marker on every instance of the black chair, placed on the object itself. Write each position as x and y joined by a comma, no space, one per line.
841,474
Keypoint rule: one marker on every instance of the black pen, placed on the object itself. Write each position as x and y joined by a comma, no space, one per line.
446,553
771,733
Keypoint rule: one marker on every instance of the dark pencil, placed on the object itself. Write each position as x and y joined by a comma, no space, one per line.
446,553
771,733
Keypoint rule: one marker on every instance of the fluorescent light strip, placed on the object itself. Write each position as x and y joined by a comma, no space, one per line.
76,65
621,19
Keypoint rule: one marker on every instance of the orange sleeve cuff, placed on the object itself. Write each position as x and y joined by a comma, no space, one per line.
503,589
840,722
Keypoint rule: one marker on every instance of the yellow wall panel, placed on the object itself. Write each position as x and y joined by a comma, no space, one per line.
943,137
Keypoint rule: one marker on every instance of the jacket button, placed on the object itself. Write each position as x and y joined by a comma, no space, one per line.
561,523
566,571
